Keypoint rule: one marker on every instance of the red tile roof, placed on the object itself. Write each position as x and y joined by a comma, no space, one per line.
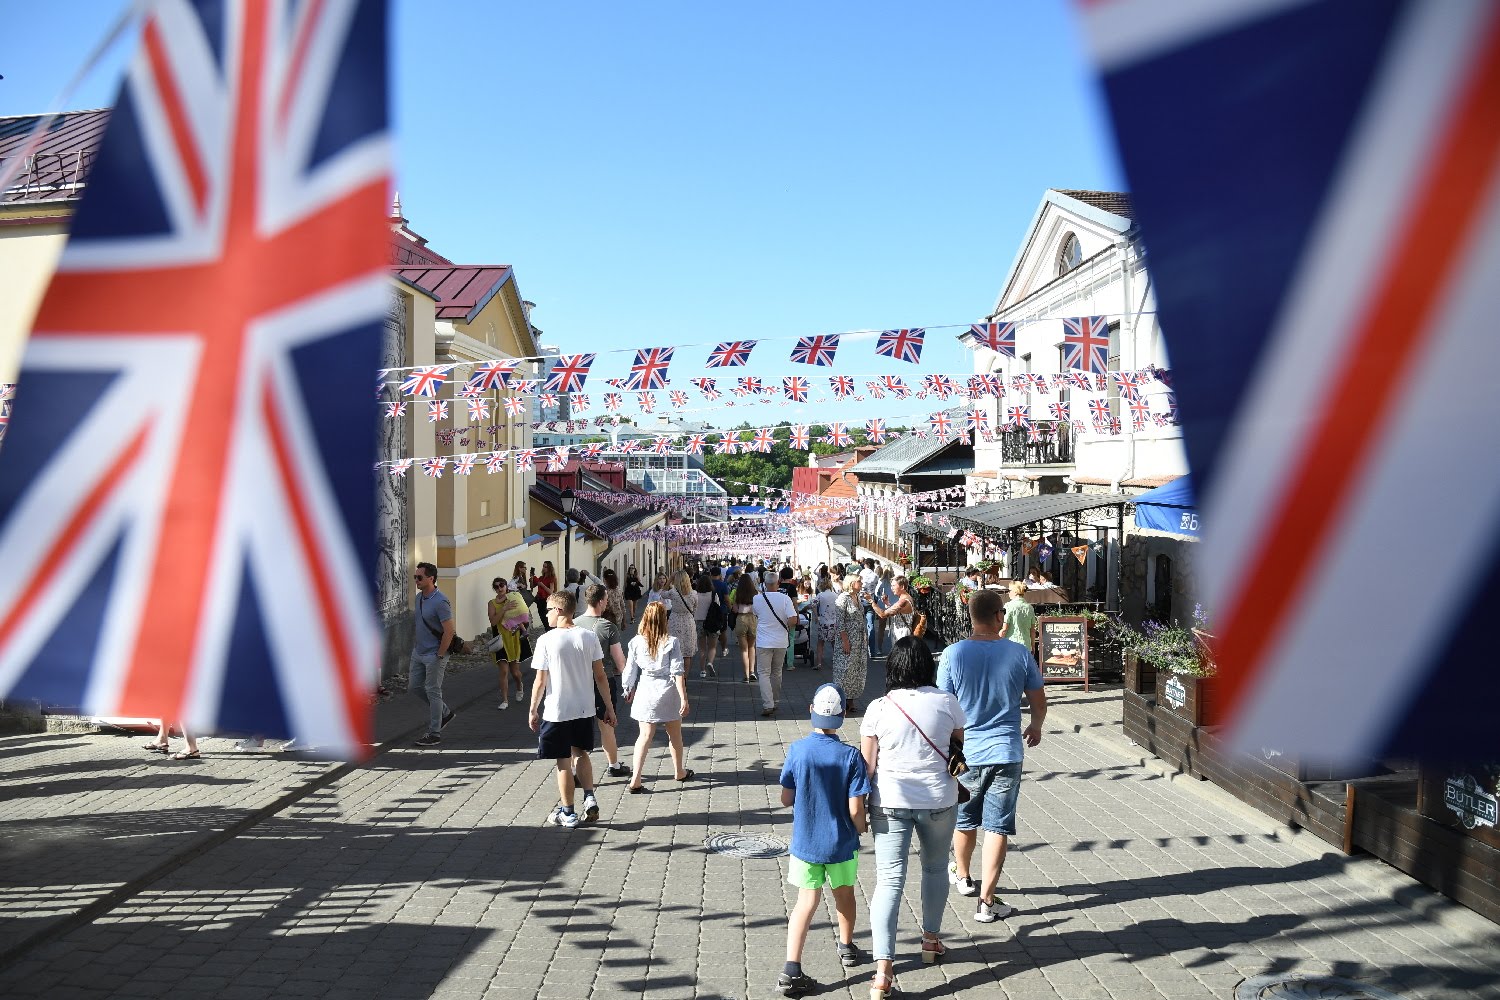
57,168
460,289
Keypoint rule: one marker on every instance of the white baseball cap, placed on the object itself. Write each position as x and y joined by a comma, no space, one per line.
828,707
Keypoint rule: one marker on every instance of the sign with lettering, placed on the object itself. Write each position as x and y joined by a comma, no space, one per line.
1063,649
1175,692
1467,800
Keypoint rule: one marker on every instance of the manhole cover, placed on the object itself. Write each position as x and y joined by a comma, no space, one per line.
745,845
1308,988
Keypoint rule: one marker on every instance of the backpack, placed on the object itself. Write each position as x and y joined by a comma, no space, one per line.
713,621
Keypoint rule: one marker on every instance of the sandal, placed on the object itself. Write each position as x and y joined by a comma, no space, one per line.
187,755
637,789
687,776
879,992
932,950
155,747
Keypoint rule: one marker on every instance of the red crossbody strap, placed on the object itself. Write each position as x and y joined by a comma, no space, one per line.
918,728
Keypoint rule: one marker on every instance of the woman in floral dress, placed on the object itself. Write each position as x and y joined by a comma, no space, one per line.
851,647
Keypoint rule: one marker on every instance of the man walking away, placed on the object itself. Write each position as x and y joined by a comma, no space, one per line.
569,665
988,675
775,618
608,634
429,651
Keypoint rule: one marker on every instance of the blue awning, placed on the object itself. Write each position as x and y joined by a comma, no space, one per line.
1171,508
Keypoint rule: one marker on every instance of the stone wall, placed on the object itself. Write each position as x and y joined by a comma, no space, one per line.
1139,564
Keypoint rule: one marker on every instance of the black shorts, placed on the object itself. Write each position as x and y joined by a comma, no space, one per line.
614,696
558,740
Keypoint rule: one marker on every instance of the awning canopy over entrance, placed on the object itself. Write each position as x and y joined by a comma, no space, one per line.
1003,515
1171,508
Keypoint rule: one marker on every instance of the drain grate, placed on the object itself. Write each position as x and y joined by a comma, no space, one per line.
1308,988
745,845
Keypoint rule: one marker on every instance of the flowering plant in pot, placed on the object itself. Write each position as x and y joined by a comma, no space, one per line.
921,583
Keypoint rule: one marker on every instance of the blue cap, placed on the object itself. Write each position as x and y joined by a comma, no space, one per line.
828,707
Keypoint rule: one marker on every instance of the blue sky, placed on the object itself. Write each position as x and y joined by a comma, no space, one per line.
672,172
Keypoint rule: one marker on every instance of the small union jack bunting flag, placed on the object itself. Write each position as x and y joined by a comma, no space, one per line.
433,467
731,354
579,402
426,381
479,409
569,373
437,410
799,437
463,465
401,466
875,430
842,385
816,350
491,375
795,388
394,410
940,423
707,386
838,436
514,405
1086,343
496,462
901,345
998,337
649,370
695,443
678,397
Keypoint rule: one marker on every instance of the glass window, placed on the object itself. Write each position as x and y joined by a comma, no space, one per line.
1069,254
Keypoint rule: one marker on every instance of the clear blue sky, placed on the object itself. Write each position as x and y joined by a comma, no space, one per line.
677,172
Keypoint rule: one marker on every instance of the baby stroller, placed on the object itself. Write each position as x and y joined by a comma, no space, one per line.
804,647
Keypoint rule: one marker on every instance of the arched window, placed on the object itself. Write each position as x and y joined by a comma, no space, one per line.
1069,254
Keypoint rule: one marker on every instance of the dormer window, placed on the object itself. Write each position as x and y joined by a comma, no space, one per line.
1069,254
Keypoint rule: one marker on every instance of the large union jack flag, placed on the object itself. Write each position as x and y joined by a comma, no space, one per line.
569,373
1363,264
816,350
649,370
902,345
192,439
732,354
1086,343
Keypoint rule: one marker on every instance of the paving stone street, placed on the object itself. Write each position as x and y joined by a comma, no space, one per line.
430,873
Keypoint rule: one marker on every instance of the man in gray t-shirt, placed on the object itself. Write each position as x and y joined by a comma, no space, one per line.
429,651
614,663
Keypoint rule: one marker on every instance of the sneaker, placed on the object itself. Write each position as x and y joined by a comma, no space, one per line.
447,718
251,743
754,677
565,818
503,705
590,807
966,886
430,740
850,956
703,673
795,986
619,769
991,910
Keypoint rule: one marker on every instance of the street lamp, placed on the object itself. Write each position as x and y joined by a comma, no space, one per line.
569,504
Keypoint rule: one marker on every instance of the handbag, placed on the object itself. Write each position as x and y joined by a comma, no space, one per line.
954,758
455,645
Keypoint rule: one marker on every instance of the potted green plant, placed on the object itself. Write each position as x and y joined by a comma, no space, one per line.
1183,664
921,584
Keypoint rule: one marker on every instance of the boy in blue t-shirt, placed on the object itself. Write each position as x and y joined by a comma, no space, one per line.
825,782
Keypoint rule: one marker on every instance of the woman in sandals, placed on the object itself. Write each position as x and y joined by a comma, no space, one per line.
744,623
904,738
509,619
163,744
655,685
633,591
682,621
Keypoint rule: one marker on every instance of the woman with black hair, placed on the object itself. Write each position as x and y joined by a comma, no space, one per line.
904,738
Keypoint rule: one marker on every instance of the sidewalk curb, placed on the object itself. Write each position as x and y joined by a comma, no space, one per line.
1398,887
99,907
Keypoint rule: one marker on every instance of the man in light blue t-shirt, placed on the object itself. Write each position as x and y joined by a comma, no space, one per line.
988,675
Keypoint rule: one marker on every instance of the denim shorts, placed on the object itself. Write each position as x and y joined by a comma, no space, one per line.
993,790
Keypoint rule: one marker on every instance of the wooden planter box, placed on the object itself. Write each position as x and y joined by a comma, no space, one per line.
1140,675
1185,695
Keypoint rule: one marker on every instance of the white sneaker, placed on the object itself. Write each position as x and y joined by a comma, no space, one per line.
993,910
251,743
590,807
503,705
566,819
966,886
703,673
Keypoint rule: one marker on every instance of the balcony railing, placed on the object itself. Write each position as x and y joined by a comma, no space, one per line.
1053,445
882,547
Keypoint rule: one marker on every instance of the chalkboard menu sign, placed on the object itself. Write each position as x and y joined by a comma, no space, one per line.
1063,649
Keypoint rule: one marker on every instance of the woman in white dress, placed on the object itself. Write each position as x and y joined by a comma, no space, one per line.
656,687
682,605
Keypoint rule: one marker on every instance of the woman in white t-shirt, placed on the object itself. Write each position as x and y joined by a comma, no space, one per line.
904,737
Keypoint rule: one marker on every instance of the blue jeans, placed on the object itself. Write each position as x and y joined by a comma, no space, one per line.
870,620
893,829
426,680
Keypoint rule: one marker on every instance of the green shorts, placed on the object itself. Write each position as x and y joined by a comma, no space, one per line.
805,875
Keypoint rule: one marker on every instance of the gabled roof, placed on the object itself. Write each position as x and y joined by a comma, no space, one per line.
901,455
57,168
461,290
1101,207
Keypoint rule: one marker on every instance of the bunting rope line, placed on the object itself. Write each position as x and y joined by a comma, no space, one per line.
842,336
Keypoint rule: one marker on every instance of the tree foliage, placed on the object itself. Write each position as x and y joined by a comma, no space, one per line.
773,468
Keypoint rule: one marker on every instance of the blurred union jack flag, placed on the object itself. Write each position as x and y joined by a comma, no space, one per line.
1363,260
187,445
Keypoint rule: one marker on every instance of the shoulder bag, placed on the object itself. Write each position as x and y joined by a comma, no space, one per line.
455,645
791,636
954,758
713,621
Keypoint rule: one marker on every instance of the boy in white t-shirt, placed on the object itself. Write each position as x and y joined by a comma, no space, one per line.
569,665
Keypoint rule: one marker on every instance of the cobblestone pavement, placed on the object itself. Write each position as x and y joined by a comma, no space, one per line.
431,873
